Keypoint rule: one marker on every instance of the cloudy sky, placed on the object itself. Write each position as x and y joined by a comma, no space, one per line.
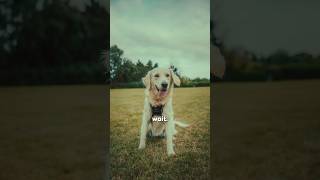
167,31
267,25
263,26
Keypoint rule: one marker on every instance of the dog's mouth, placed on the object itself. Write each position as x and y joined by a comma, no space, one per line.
162,91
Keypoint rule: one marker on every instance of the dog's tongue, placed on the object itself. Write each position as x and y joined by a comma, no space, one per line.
163,93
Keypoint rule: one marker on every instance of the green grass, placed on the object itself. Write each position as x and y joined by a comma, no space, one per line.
261,131
267,130
52,132
191,145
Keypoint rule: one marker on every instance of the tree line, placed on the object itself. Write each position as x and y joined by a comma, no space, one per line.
52,42
243,65
56,43
125,73
123,70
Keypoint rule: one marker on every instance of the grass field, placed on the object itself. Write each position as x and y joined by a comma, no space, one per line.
262,130
267,130
192,143
52,132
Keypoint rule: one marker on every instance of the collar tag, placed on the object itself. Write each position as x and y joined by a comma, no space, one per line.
156,110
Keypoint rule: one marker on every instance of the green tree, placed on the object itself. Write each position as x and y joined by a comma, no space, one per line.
141,69
155,65
115,62
149,65
50,40
127,71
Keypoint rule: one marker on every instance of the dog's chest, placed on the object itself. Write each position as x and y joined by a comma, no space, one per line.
157,127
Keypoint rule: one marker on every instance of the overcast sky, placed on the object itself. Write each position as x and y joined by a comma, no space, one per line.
267,25
262,26
167,32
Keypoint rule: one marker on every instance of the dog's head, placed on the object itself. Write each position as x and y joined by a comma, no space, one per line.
160,80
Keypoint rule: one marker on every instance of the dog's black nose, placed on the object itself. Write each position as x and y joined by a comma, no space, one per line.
164,85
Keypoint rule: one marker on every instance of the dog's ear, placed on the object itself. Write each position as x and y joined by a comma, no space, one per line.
147,80
175,78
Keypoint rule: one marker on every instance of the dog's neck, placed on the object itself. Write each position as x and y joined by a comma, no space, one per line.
156,110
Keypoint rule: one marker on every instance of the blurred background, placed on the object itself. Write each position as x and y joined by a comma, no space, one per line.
265,122
53,92
52,42
267,41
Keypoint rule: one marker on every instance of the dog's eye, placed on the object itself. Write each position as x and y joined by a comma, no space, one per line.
157,75
167,75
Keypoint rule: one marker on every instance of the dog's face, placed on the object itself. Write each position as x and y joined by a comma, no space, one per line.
159,80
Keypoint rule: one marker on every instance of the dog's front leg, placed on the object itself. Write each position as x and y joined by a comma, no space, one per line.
169,135
144,128
143,133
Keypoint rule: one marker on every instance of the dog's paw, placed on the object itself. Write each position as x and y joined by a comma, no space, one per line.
142,146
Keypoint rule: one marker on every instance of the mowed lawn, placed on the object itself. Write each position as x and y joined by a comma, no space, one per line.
192,144
262,130
53,132
267,130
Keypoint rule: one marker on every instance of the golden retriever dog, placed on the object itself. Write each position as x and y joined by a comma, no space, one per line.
159,83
